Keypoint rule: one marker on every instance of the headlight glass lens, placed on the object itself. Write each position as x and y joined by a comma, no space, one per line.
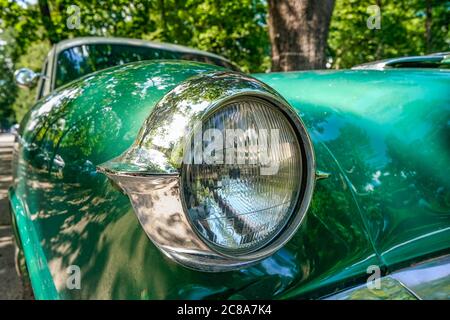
244,196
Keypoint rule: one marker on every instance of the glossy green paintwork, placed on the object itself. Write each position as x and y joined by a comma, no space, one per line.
80,218
390,133
42,282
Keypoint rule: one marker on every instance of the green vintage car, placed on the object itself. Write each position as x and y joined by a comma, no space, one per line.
150,171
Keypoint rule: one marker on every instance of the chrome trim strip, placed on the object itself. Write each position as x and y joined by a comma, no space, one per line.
390,289
320,175
427,280
407,289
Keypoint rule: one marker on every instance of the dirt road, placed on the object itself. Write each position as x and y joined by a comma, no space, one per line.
10,282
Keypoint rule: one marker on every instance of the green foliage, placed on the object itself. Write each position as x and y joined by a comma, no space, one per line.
235,29
33,59
7,87
402,32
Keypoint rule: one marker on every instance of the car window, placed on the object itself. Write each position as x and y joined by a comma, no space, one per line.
78,61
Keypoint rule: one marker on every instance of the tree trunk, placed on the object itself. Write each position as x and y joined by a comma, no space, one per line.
162,7
298,31
428,21
47,21
380,48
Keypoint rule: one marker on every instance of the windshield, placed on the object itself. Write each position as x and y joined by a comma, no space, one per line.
78,61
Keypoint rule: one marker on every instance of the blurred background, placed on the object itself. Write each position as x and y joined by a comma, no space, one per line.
257,35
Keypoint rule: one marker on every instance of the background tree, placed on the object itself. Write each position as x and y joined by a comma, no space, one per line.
403,30
298,32
236,29
7,86
33,59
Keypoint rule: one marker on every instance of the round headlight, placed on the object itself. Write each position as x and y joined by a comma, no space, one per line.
221,174
245,190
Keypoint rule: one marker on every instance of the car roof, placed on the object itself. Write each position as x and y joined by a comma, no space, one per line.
402,62
69,43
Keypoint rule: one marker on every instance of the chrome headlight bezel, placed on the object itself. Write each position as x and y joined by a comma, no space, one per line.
150,170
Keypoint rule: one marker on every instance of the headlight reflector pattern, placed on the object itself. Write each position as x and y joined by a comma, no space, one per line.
243,199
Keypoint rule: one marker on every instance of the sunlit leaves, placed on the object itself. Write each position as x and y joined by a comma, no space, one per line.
402,31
